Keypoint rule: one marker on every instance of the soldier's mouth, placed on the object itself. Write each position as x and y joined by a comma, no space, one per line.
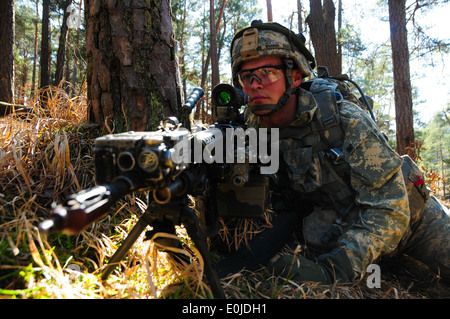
258,99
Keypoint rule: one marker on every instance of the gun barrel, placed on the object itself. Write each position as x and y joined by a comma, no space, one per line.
82,209
163,195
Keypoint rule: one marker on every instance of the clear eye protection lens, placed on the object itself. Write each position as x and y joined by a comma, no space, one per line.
264,75
246,79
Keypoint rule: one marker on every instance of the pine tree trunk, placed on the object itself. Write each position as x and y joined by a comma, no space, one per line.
323,34
62,45
132,72
182,52
269,11
7,51
74,71
215,79
402,81
36,44
45,50
339,43
299,16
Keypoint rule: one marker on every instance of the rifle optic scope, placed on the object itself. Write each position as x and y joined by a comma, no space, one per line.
226,95
226,102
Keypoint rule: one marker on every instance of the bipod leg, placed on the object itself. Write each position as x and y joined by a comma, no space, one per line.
134,234
190,221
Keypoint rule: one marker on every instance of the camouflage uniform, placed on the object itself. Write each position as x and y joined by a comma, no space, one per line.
368,202
365,202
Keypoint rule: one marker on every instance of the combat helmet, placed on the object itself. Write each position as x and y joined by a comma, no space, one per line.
271,39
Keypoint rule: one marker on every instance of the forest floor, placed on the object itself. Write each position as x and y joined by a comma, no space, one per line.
46,156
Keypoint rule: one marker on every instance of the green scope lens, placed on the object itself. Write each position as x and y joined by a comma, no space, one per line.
227,95
224,97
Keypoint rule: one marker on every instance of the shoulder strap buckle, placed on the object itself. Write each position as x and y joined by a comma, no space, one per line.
335,154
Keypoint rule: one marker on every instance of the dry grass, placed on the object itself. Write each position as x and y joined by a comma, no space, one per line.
47,154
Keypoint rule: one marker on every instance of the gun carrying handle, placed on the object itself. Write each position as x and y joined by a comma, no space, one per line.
193,99
190,103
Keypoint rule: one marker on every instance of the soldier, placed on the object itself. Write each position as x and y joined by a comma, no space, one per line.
364,203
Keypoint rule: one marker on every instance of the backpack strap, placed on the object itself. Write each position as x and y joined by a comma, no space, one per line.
325,134
327,120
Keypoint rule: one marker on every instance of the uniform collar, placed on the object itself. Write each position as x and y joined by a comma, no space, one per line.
306,107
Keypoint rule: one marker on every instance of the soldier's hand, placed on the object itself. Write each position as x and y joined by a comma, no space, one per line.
330,268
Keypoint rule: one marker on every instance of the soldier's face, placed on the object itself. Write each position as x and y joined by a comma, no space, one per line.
263,92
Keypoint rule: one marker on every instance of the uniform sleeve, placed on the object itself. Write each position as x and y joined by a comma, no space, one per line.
381,196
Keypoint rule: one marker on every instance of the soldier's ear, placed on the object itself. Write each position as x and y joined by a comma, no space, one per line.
296,77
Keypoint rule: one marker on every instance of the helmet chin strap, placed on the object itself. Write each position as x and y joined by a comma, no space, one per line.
275,107
285,97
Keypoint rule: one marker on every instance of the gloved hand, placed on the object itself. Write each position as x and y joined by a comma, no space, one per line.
331,267
261,248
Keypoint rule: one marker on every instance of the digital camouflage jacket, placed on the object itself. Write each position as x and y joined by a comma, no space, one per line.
359,198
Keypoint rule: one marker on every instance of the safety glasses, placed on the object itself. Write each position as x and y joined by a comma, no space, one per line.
265,75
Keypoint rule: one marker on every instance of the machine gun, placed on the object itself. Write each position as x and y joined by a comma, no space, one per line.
172,163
